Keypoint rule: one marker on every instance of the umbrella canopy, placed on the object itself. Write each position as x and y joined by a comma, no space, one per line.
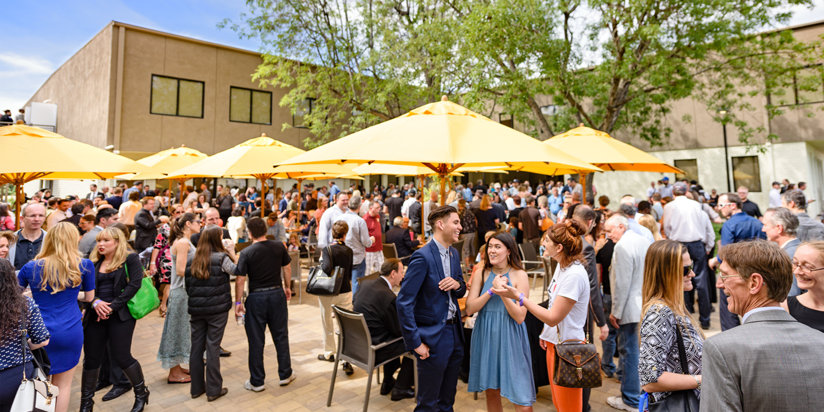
31,153
160,164
606,152
442,136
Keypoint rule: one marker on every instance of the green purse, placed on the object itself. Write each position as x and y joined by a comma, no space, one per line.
145,300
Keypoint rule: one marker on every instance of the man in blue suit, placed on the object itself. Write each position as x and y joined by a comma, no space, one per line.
429,314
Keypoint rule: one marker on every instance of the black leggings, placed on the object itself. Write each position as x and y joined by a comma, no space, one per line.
115,332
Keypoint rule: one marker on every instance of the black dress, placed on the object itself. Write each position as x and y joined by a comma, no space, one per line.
810,317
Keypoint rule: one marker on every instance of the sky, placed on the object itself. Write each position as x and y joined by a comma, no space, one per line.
54,30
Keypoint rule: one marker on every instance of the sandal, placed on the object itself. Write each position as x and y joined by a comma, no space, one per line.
186,379
323,357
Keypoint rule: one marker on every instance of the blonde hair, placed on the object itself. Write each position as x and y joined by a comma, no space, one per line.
664,278
60,258
121,252
648,222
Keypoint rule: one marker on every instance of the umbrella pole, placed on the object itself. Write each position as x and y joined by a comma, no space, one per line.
423,225
583,187
442,181
18,194
262,195
300,193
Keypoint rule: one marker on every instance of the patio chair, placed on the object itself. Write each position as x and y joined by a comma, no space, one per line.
532,263
549,269
390,251
355,346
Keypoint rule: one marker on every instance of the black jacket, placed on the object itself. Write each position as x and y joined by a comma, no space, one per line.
146,230
209,296
376,301
127,284
404,244
342,257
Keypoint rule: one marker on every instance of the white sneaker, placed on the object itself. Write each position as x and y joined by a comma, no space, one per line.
292,377
249,387
617,402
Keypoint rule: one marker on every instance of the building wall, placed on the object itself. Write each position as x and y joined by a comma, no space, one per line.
148,53
80,89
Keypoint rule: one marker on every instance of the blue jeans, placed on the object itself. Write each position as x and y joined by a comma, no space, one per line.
608,345
358,271
628,356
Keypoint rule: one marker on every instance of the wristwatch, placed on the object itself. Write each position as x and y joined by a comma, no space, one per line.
697,381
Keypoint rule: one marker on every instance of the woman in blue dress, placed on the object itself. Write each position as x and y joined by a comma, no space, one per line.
500,361
56,276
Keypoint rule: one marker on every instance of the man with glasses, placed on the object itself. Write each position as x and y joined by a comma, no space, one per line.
739,227
211,217
781,226
770,362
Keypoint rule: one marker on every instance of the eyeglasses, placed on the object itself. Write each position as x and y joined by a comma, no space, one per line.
720,205
687,270
725,277
805,268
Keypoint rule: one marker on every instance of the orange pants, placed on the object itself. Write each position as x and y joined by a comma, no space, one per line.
564,399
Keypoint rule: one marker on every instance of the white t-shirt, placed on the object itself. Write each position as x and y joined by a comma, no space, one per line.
571,282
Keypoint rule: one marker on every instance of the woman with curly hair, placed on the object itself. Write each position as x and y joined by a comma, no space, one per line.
56,276
19,313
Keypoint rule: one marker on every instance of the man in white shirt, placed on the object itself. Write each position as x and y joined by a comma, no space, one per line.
410,199
357,238
331,216
626,280
651,191
775,195
685,222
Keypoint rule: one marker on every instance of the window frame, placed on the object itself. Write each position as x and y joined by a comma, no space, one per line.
756,179
251,105
794,87
679,176
177,96
310,103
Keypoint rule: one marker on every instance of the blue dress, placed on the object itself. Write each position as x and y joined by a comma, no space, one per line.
500,356
61,313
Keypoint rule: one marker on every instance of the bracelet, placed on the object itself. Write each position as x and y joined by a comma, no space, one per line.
94,304
697,382
490,292
237,303
521,299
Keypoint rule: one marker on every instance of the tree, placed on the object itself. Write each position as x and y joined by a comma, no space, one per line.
609,64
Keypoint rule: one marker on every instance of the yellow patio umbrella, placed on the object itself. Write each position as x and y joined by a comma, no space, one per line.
159,165
606,152
253,159
442,136
31,153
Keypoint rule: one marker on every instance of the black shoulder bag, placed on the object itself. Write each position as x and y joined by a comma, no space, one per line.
324,284
678,401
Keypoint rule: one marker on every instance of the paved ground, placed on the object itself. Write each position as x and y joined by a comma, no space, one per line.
307,393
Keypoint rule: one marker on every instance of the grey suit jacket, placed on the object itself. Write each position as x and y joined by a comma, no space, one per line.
628,277
771,363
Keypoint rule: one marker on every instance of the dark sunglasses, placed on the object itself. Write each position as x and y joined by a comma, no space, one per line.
687,270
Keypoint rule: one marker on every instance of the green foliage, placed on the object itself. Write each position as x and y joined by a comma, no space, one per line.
606,63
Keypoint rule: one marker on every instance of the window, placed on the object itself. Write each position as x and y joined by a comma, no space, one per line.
804,85
506,119
250,106
690,168
304,108
176,97
745,172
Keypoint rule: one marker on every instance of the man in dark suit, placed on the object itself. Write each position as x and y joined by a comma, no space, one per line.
146,225
399,235
376,301
429,314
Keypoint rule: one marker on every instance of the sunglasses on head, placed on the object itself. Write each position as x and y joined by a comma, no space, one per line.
687,270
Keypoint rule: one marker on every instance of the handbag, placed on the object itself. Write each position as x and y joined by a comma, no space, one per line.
577,364
35,393
323,284
677,401
145,300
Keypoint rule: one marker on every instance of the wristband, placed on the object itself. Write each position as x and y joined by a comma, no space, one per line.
237,303
697,382
94,304
521,299
490,292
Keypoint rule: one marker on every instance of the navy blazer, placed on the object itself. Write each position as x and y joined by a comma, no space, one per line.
422,306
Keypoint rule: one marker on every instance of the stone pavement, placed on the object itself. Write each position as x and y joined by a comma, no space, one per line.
307,393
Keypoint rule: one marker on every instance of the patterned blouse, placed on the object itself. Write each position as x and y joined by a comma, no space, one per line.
11,351
164,255
659,350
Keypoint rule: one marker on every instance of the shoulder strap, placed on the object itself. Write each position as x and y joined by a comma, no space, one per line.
23,345
682,353
126,268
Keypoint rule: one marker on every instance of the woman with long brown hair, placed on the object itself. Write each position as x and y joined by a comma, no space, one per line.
487,220
210,298
56,276
500,356
108,323
566,314
19,313
175,342
667,275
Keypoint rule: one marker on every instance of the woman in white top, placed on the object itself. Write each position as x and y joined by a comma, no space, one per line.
568,303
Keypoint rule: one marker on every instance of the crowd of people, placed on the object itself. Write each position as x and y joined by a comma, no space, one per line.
629,273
